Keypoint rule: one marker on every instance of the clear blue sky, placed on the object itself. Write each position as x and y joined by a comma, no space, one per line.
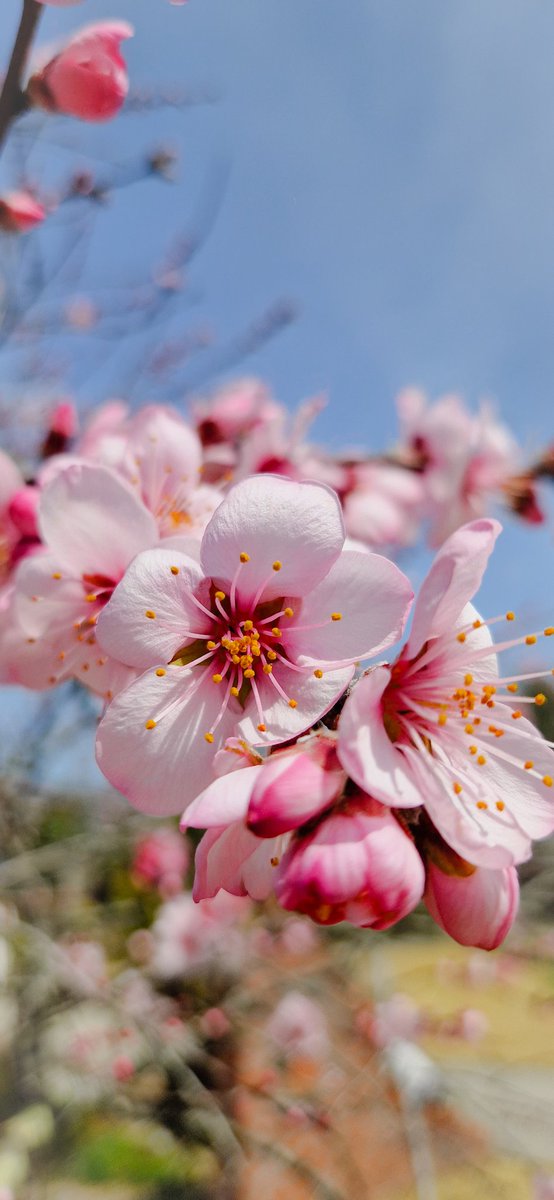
391,168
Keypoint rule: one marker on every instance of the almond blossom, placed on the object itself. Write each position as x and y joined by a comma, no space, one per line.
258,639
92,525
476,909
87,78
442,728
20,212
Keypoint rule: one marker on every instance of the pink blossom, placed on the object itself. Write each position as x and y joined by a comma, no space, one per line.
299,1028
189,937
92,526
477,909
358,865
465,460
62,428
87,78
543,1187
20,212
441,727
104,438
397,1017
384,505
11,484
22,511
234,410
274,614
161,858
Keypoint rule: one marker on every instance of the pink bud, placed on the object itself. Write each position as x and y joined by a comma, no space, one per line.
63,419
123,1068
477,909
20,212
22,510
88,77
161,860
293,788
358,866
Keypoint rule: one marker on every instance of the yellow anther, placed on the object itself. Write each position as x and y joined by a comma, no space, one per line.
318,673
469,729
244,557
461,637
277,565
274,861
540,699
490,704
477,624
217,678
288,612
160,671
255,635
488,689
442,719
174,570
209,737
85,666
276,631
464,714
220,595
516,715
482,804
249,673
248,625
530,639
90,598
235,691
261,728
511,687
31,641
293,704
481,760
150,614
549,631
150,724
267,668
457,788
212,645
500,805
235,658
529,764
336,616
272,655
547,780
468,679
57,575
510,616
61,655
473,749
246,660
256,651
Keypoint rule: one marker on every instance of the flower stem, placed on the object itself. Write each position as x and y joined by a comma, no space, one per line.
12,98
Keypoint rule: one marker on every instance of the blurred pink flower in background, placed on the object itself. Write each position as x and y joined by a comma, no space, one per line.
87,78
188,937
20,212
384,505
161,860
299,1028
397,1017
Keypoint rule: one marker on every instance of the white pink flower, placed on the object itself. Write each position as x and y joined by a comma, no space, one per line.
87,78
441,727
92,525
298,1027
258,639
160,860
189,937
476,909
384,505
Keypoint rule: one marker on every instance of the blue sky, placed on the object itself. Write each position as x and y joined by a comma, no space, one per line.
391,169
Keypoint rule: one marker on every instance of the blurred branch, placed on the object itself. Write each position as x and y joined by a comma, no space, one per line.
12,100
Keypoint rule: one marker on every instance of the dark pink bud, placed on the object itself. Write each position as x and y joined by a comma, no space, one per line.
477,909
293,788
88,77
20,212
22,510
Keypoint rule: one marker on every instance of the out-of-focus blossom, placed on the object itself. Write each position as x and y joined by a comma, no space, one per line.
397,1017
478,909
62,428
83,965
384,505
298,938
190,937
161,860
79,1049
92,525
274,614
20,212
441,727
472,1025
87,78
11,484
233,411
299,1028
357,865
81,313
465,460
543,1187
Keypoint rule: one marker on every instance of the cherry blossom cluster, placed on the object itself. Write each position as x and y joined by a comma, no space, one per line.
211,598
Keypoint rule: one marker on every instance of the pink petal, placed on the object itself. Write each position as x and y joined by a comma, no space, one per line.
274,520
163,458
453,580
373,598
162,769
89,518
223,801
477,910
150,586
314,697
485,837
376,764
293,787
235,860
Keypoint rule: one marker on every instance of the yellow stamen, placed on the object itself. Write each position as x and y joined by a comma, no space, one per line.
477,624
57,575
473,749
150,724
249,673
461,637
540,699
457,787
500,805
289,612
547,780
293,704
160,671
482,804
318,674
511,687
271,654
209,737
174,570
150,614
442,719
244,557
549,631
529,764
277,565
248,625
336,616
276,631
530,639
468,679
481,760
267,668
217,678
220,595
261,728
510,616
211,645
516,715
235,691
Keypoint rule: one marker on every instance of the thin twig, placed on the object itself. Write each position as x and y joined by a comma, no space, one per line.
12,100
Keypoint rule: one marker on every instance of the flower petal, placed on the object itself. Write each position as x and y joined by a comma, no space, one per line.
158,582
223,801
314,697
376,764
234,860
453,580
373,598
162,768
273,520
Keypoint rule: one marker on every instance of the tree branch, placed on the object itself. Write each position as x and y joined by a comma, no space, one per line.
12,100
